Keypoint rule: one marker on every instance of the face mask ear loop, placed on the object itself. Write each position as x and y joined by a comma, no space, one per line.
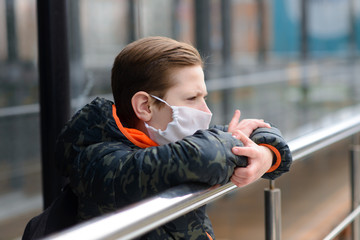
157,98
173,110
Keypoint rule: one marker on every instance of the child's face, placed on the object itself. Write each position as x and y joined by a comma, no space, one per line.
189,90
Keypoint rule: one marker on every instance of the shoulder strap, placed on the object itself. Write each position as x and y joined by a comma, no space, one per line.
61,214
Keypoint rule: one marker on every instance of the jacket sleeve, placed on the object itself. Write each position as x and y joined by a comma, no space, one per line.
128,175
272,137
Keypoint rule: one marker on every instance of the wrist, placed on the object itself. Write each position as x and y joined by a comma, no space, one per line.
268,156
276,157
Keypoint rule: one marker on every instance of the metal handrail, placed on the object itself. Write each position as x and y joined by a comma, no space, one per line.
139,218
317,140
350,218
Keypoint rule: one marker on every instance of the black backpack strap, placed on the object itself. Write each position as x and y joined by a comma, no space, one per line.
61,214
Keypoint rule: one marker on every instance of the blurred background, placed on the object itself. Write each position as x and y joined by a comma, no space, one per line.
294,63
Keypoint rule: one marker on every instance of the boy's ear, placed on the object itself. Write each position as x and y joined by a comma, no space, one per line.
141,105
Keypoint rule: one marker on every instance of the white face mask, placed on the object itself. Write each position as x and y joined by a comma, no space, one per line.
186,121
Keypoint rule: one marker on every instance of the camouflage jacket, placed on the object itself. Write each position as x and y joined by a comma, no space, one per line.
107,171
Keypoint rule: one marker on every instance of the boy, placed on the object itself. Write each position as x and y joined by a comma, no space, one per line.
157,136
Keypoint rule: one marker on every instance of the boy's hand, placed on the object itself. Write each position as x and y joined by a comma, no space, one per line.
247,126
260,160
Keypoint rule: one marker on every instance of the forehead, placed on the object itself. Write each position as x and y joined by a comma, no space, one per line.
189,79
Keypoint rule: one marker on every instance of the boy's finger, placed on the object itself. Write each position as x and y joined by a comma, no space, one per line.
243,138
235,119
264,124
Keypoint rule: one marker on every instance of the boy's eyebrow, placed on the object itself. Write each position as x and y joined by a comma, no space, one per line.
200,93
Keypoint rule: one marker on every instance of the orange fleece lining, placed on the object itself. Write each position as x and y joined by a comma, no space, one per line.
135,136
277,154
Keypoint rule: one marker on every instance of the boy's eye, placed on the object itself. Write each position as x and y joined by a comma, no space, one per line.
191,98
194,98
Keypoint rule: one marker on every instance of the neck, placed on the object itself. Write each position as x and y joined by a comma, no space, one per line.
141,127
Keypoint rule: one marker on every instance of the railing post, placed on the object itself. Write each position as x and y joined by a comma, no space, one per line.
272,212
54,88
355,184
